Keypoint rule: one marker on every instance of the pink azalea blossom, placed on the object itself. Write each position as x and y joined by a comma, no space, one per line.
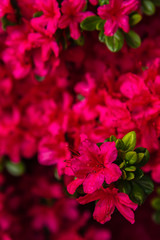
116,13
72,15
48,22
5,8
109,198
93,2
94,165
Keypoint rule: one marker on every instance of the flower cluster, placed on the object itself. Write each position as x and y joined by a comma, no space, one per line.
102,179
57,91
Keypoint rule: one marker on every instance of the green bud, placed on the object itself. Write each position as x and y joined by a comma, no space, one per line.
130,176
115,42
130,169
90,23
129,141
133,39
131,157
15,169
148,7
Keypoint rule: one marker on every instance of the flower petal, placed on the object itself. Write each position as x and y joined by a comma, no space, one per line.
109,150
71,188
110,27
112,173
93,182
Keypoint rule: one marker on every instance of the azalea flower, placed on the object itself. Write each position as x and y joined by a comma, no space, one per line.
72,15
108,199
94,165
48,21
6,8
116,13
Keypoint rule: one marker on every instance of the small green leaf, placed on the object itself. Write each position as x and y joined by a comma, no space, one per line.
124,186
143,156
80,97
103,2
133,39
148,7
119,144
99,144
112,138
122,164
15,169
135,18
130,176
38,14
138,174
101,36
100,25
130,169
156,203
39,78
107,140
115,42
80,41
131,157
90,23
129,141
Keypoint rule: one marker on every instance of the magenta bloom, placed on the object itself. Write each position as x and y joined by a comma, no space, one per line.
6,8
109,198
72,15
116,13
48,22
94,165
93,2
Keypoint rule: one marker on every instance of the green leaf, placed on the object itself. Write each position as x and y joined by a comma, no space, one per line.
115,42
103,2
134,19
107,140
133,39
156,217
38,14
129,141
80,97
99,144
100,25
130,176
131,157
138,174
124,186
80,41
137,194
148,7
15,169
130,169
39,78
101,36
147,184
156,203
112,138
6,23
119,144
90,23
143,156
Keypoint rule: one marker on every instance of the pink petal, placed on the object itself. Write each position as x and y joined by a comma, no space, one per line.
103,11
91,197
89,148
79,168
126,212
123,22
112,173
109,150
110,27
64,21
93,182
103,210
74,30
125,200
71,188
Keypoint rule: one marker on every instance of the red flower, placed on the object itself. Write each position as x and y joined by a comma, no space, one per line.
116,13
109,199
72,15
94,165
48,22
